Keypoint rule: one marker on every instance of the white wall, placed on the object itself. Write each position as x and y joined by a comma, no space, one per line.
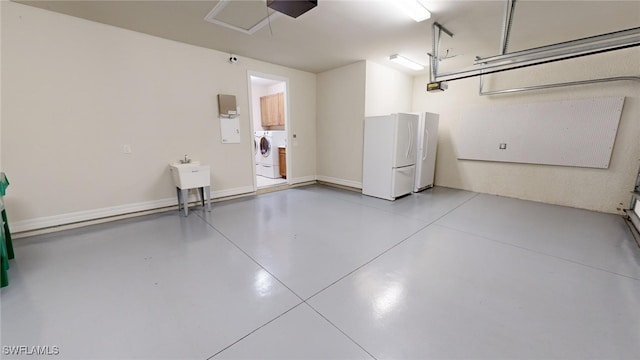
345,96
595,189
75,91
341,106
387,90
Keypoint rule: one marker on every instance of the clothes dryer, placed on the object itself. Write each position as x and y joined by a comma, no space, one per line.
267,157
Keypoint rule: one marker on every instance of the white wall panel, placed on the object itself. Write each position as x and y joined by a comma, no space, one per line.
570,133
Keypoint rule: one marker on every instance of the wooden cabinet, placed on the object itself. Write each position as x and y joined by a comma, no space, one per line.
272,110
282,158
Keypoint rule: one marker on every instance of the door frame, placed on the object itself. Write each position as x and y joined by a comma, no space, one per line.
287,123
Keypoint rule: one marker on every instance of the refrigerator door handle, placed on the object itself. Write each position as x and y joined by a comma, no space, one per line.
426,144
410,139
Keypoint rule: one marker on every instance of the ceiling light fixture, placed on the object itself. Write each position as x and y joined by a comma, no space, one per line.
405,62
414,9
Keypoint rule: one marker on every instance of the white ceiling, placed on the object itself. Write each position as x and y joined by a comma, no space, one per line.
340,32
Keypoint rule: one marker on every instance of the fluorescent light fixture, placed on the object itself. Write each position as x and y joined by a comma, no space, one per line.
413,8
405,62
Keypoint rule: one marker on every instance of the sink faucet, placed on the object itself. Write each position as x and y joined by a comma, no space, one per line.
186,159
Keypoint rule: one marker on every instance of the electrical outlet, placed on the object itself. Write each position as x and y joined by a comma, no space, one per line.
126,149
502,146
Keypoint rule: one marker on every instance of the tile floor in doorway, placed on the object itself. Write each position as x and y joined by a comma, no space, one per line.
321,273
263,182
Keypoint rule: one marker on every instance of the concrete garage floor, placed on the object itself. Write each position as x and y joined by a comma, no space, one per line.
317,272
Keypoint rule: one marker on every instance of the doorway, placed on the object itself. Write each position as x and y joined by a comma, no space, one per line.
269,120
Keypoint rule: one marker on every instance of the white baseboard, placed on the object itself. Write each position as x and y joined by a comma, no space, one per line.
231,192
94,214
79,216
349,183
303,179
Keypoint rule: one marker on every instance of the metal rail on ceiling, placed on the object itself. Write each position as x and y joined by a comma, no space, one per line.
534,56
555,85
506,25
598,41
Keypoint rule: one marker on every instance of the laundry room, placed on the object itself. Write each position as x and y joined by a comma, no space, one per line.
268,101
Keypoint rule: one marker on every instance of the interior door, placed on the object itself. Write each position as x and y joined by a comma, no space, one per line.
406,127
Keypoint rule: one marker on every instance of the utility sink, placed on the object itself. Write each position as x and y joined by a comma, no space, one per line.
190,175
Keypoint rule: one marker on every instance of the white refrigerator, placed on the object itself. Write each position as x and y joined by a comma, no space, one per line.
389,156
426,152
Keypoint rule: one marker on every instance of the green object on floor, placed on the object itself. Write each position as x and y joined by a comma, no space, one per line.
6,245
3,253
4,183
7,234
4,262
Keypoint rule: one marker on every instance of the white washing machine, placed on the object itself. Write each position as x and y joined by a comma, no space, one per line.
257,135
267,164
